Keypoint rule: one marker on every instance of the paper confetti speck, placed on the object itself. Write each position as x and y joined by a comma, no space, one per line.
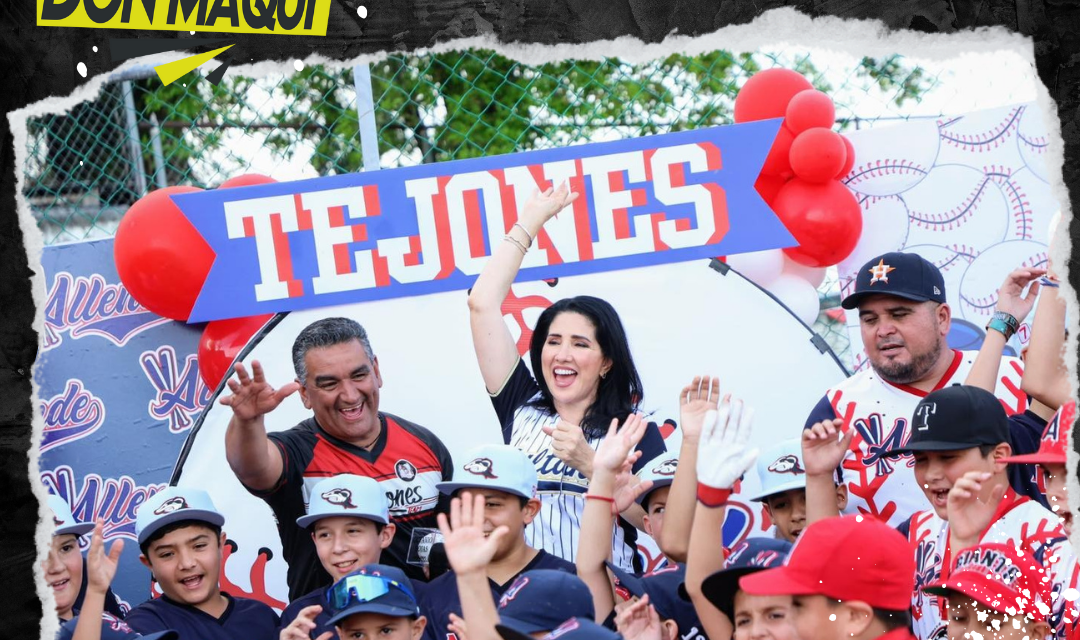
361,11
95,48
81,67
298,65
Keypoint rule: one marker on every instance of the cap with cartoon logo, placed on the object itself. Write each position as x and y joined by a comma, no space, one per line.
661,470
494,466
174,504
956,418
780,469
346,495
64,521
904,275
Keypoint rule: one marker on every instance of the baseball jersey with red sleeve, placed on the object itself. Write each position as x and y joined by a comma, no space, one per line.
880,412
1019,522
407,460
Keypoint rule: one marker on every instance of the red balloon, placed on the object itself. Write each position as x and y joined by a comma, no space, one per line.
825,219
221,341
161,259
809,109
246,180
767,94
769,186
777,162
850,161
817,155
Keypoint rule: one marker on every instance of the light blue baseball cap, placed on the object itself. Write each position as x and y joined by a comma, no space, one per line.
64,521
494,466
346,495
781,469
661,470
174,504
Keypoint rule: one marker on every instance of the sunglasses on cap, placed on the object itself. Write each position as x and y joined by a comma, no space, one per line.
357,589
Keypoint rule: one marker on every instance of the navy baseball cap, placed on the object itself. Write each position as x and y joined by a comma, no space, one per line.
752,554
373,588
113,628
904,275
572,629
542,599
956,418
663,587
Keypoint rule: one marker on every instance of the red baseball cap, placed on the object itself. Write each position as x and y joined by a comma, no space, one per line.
1054,445
847,558
997,576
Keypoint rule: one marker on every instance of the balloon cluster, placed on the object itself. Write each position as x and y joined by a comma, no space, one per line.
800,181
163,262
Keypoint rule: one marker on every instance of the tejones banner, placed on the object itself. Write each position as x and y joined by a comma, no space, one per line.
429,229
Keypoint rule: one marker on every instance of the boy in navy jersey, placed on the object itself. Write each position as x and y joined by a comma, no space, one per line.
349,520
180,537
505,479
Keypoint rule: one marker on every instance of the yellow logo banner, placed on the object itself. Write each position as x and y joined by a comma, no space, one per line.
285,17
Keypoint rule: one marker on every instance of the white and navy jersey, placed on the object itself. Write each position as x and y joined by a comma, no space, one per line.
561,488
880,412
1019,522
244,619
440,597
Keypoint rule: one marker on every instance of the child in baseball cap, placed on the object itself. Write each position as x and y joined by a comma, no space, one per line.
572,629
960,441
783,488
63,567
677,616
348,517
1001,579
180,540
541,600
1051,459
376,601
111,628
494,491
850,577
661,473
747,612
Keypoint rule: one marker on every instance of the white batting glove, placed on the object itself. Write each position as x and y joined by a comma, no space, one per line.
724,453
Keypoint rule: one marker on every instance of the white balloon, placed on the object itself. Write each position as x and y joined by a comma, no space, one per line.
798,295
814,275
759,267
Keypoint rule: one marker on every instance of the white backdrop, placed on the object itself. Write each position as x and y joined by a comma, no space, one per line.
682,320
969,193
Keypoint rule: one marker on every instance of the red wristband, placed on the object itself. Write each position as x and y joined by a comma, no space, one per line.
712,497
589,496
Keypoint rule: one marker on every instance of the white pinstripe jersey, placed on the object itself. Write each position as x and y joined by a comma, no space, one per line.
561,488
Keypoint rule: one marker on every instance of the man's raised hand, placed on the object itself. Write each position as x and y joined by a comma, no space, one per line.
252,396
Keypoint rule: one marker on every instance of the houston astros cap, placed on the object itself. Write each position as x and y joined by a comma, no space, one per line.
346,495
844,558
955,418
573,629
113,628
1054,445
494,466
749,556
373,588
661,470
904,275
64,521
663,588
996,576
781,469
174,504
542,599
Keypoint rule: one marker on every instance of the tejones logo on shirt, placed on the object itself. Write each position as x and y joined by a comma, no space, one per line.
405,470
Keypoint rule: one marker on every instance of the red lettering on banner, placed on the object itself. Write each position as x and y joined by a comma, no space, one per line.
413,257
473,224
442,230
719,198
581,213
303,216
249,227
622,216
371,200
382,269
284,258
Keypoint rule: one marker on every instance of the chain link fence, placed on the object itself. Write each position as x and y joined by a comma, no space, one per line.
85,168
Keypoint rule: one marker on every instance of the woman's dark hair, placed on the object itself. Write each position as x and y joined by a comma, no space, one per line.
620,391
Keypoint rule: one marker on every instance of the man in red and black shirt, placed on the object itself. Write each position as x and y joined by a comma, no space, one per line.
338,377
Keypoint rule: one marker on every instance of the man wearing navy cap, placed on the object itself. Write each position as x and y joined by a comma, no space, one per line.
904,320
180,537
495,499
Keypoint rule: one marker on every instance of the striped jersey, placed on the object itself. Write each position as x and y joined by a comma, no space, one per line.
561,488
1019,522
407,460
880,412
